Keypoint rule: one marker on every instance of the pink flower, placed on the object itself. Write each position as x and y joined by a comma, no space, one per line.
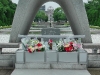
50,41
76,45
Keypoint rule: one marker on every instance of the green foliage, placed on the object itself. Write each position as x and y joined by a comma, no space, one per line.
7,10
3,27
34,23
93,12
61,49
41,16
67,24
95,27
59,14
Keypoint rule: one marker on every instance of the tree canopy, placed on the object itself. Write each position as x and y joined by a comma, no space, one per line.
41,16
7,10
59,14
93,12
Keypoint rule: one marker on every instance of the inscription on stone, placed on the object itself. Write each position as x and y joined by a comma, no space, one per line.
50,31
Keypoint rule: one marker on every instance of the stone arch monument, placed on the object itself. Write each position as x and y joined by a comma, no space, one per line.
27,9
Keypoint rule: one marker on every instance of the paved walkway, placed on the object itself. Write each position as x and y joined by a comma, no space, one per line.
9,71
49,72
6,71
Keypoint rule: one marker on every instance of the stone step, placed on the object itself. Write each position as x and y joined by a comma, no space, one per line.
50,66
49,72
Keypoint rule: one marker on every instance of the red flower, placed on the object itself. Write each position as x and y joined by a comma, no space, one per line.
29,50
39,44
71,43
70,48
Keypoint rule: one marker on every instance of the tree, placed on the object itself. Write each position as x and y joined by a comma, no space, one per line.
41,16
59,14
93,12
7,10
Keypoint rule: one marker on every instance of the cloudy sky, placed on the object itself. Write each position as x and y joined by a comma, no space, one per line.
54,5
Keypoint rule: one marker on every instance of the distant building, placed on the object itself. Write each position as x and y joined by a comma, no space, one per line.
42,8
49,13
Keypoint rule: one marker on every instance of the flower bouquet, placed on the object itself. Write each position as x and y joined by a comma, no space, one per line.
68,46
60,46
33,45
38,47
50,43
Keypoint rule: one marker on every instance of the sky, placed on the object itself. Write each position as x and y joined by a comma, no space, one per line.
54,5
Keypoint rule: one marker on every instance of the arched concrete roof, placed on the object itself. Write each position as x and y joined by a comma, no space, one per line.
27,9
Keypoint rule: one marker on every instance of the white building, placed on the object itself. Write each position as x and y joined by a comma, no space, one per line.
49,13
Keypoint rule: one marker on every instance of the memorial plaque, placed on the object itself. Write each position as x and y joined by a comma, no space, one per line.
50,31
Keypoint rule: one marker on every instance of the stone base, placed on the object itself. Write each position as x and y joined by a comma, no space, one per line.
32,66
51,66
94,64
49,72
68,57
51,56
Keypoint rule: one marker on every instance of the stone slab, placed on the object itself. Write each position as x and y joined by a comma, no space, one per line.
34,57
9,45
7,56
33,66
20,56
50,65
83,56
6,63
94,64
68,57
68,66
50,31
91,45
49,72
94,57
51,56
